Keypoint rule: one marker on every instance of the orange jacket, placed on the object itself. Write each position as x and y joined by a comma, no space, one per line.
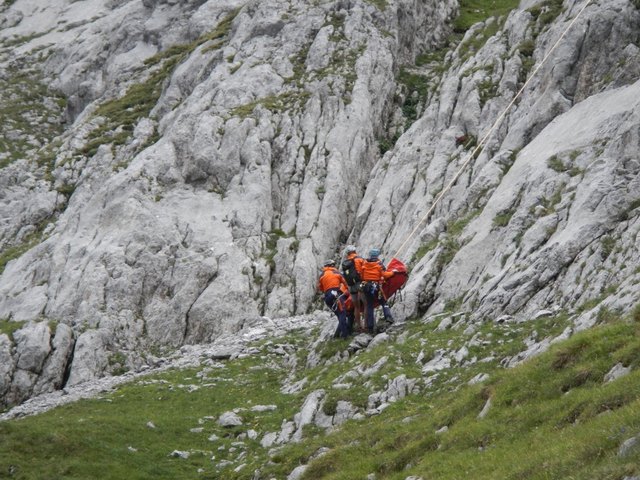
331,278
374,271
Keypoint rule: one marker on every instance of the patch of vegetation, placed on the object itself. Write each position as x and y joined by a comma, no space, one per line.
503,218
550,203
526,50
29,241
450,247
8,327
473,44
555,164
118,363
449,242
273,103
454,304
387,143
379,4
30,114
546,12
474,11
487,89
415,88
607,244
543,14
423,250
545,421
271,245
110,437
456,227
122,114
436,58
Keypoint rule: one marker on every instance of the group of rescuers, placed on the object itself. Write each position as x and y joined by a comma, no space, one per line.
355,290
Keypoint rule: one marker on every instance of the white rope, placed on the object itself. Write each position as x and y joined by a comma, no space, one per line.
480,146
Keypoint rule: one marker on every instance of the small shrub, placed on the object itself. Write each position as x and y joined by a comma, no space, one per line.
607,244
554,163
487,90
449,250
330,406
527,48
503,218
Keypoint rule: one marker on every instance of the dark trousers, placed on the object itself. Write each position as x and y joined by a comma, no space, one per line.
370,291
334,300
372,294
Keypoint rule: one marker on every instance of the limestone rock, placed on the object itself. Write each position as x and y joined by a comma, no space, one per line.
616,372
7,365
90,356
229,419
307,413
32,346
397,389
629,446
297,472
52,376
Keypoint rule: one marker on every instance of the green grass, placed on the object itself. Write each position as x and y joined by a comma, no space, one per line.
8,327
423,250
555,164
552,417
474,11
503,218
273,103
546,12
415,88
91,439
379,4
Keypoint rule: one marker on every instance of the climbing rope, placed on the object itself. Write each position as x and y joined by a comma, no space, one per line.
480,146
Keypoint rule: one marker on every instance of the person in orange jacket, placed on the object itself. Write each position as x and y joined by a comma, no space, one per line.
333,285
352,272
374,273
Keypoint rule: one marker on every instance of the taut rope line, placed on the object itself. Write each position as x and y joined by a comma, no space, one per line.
480,145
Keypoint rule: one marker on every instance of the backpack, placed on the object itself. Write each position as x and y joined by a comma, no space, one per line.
350,273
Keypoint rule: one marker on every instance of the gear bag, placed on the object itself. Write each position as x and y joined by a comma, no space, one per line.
350,273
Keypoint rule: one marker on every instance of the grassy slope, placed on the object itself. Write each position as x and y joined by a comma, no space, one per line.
552,417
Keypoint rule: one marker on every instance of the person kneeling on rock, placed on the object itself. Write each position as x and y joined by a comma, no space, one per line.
333,286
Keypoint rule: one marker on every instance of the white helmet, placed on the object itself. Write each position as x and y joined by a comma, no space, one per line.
350,249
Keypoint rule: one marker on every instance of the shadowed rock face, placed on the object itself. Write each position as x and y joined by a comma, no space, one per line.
244,150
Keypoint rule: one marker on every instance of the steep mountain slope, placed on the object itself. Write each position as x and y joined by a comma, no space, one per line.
546,215
215,153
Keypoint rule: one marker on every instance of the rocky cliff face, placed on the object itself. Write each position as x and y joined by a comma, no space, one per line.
194,162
